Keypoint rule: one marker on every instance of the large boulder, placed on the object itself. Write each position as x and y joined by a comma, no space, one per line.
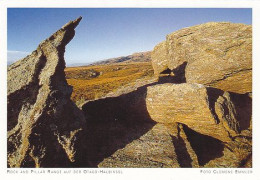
207,110
42,120
215,54
167,125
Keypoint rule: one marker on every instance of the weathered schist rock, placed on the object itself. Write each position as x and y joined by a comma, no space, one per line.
175,124
188,123
175,145
214,54
208,74
209,111
196,126
43,122
168,125
162,146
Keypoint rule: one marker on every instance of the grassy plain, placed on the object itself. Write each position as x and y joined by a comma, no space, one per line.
93,82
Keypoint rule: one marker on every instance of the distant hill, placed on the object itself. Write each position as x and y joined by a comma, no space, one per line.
77,64
136,57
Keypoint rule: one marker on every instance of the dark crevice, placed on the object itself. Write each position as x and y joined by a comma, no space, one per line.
43,137
176,75
206,148
225,76
243,107
213,95
181,151
166,71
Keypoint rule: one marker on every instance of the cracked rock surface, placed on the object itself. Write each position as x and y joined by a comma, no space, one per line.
42,120
207,110
218,54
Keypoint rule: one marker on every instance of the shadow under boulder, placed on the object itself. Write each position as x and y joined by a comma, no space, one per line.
112,123
206,147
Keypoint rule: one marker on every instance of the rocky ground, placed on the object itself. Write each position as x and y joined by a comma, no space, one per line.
196,111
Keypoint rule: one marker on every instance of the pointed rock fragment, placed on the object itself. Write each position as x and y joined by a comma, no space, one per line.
43,122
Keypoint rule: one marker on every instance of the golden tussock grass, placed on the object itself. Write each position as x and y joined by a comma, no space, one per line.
93,82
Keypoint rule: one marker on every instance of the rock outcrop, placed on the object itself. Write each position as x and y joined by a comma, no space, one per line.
187,123
168,125
209,111
214,54
162,146
176,145
180,124
150,124
43,122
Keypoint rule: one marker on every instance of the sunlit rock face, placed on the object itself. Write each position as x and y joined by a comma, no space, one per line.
42,120
207,110
215,54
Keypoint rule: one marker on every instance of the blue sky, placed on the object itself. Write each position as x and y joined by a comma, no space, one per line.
107,32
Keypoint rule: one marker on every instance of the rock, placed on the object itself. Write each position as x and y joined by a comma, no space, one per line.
209,111
112,123
147,124
214,54
43,122
167,125
174,146
213,153
162,146
160,58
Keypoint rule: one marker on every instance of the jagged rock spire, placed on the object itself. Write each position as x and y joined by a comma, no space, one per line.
42,120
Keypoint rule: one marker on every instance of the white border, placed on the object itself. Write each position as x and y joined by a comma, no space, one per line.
138,173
